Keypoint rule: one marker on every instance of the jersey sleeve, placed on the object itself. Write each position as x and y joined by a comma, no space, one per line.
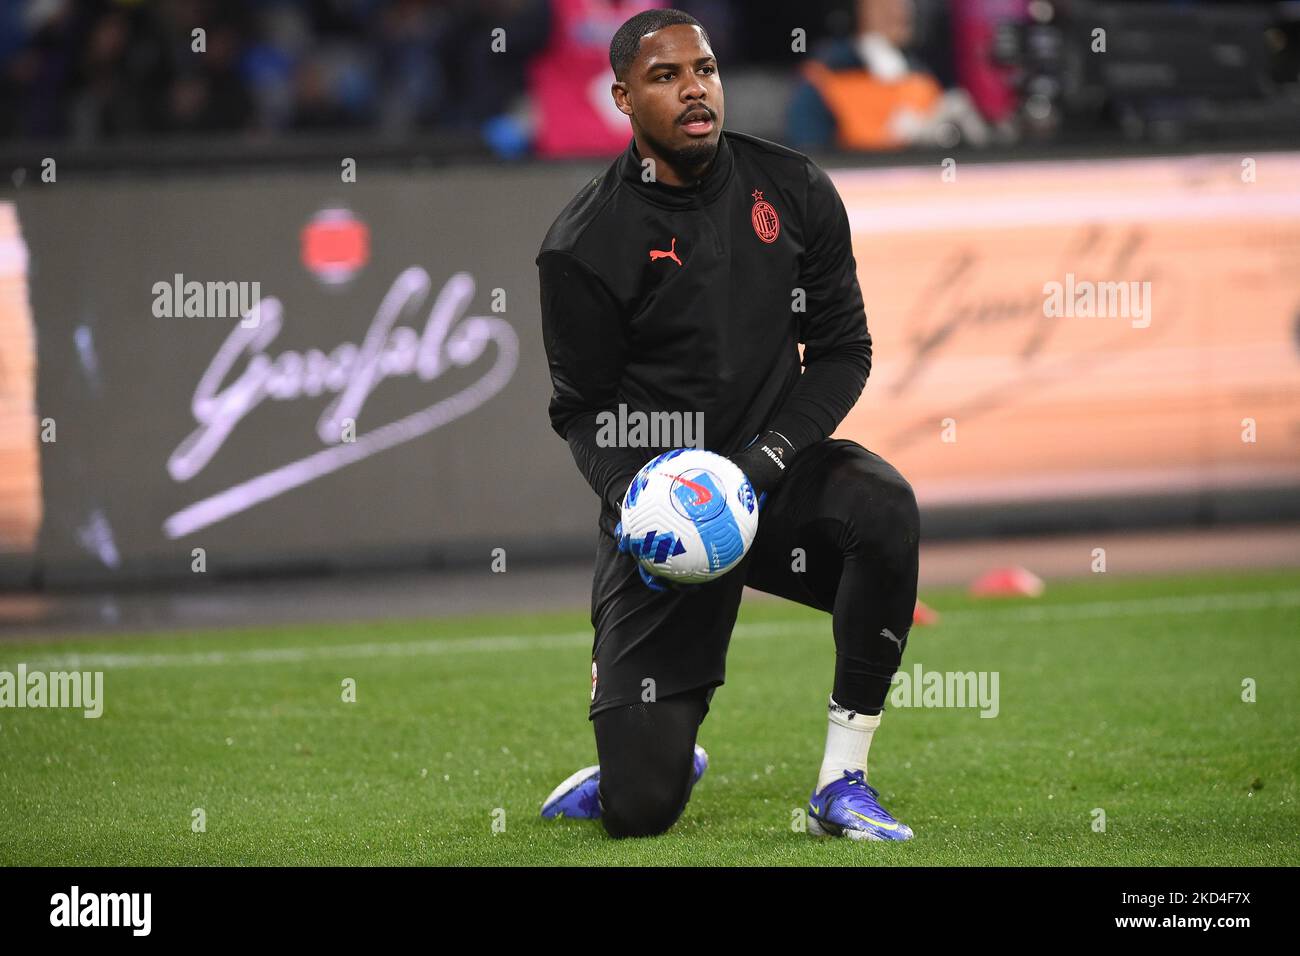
586,346
833,326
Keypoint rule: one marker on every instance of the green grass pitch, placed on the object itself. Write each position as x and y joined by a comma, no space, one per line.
1118,694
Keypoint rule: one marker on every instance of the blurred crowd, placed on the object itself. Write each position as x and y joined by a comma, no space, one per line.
875,74
93,70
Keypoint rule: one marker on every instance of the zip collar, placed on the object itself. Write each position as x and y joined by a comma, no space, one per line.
700,193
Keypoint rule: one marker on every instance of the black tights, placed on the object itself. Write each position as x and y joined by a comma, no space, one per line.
646,754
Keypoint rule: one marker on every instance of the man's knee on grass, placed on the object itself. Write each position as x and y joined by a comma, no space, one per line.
641,808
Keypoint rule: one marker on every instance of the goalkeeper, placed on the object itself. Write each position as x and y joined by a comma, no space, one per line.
684,279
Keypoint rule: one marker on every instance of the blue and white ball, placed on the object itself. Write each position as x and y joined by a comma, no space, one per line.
689,516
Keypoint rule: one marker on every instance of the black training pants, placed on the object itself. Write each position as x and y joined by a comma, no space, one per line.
841,535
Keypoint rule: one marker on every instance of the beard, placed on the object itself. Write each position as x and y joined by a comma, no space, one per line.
691,158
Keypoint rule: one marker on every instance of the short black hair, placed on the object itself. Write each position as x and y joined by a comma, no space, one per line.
626,43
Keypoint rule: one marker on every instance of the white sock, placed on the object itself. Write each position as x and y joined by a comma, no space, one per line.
848,738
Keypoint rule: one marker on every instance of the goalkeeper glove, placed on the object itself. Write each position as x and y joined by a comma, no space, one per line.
764,461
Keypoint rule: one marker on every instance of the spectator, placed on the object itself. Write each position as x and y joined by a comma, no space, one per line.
865,92
570,80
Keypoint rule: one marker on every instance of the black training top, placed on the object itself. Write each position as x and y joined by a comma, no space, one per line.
693,299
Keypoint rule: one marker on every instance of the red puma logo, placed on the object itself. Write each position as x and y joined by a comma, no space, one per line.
668,253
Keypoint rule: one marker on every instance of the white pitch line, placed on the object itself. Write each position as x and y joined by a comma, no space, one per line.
1208,603
297,655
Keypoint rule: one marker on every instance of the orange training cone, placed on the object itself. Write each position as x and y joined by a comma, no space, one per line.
1007,582
924,614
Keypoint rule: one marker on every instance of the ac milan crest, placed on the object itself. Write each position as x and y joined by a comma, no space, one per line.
767,224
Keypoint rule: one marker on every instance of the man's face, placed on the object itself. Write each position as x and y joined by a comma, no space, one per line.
893,19
674,96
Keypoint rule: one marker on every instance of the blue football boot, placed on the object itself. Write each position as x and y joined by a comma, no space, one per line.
578,795
849,807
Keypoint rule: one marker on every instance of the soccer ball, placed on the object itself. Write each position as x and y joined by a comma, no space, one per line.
689,516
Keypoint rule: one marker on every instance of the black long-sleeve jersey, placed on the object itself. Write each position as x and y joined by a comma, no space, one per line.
695,298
